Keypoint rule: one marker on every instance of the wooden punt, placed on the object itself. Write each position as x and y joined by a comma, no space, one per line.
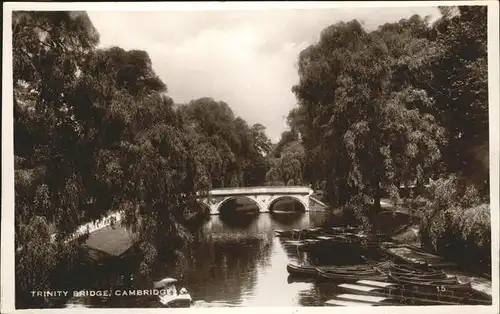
316,230
335,302
435,285
299,233
309,270
338,229
366,299
312,231
411,254
378,284
297,270
428,277
411,268
354,268
436,277
396,294
423,297
344,229
332,276
416,271
302,245
283,233
325,238
443,281
367,272
306,242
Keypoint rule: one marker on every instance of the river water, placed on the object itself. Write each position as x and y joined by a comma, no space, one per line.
236,261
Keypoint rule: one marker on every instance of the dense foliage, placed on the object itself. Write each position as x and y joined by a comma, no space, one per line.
457,223
286,161
95,132
394,106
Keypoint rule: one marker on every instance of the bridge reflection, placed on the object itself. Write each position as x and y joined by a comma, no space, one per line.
237,220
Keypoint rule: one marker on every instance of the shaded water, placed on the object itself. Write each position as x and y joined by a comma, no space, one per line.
235,261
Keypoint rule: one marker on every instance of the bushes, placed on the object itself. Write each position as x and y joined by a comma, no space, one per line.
456,223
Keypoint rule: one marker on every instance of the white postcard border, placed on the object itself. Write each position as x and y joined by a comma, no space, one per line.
7,230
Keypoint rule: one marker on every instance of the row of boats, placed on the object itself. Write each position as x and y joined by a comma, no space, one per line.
307,239
354,237
398,283
407,276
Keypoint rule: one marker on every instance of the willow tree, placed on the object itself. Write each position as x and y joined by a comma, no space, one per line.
48,51
366,127
94,132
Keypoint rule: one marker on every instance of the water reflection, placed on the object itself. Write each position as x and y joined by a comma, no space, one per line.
238,220
287,218
235,260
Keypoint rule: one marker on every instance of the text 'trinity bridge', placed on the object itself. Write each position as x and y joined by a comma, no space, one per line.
264,197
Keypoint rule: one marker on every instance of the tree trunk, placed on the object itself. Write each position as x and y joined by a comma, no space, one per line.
376,192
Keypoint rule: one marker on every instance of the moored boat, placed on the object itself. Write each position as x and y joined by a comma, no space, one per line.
362,271
412,255
408,292
300,233
366,300
298,270
444,281
437,285
302,244
283,233
354,268
406,296
335,276
335,302
423,276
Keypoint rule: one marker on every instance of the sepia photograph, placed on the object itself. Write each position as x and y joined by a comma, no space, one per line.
328,156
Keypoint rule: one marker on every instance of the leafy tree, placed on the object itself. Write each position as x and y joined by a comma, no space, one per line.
48,52
460,89
367,122
457,224
260,140
238,151
286,170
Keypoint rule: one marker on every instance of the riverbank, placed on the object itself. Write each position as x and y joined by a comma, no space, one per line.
403,223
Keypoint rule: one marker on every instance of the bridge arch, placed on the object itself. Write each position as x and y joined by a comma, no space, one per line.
284,197
236,197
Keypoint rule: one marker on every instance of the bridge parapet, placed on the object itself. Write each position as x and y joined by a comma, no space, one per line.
299,190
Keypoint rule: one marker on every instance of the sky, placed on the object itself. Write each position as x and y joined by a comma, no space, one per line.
244,58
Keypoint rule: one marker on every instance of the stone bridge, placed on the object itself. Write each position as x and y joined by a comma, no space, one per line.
263,197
